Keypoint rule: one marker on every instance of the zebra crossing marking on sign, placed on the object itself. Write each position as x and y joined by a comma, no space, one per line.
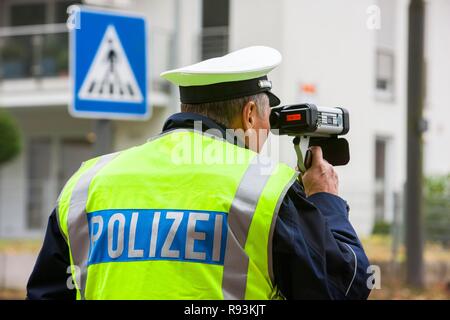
110,76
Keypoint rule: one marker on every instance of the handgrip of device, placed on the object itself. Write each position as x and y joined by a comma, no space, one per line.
308,159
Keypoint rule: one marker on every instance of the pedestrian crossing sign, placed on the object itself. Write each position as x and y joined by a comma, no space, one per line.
108,65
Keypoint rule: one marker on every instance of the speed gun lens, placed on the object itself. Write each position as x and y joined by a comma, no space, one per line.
293,117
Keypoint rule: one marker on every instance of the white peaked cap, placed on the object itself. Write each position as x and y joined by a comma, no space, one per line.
243,64
237,74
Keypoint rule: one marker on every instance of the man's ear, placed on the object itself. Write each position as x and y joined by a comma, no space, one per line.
249,115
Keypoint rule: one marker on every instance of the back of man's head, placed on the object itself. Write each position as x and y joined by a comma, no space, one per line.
229,112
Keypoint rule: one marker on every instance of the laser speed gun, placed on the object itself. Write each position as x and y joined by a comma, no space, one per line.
314,126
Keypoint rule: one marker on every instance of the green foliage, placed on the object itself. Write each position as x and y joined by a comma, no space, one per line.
13,50
10,139
437,209
437,186
381,227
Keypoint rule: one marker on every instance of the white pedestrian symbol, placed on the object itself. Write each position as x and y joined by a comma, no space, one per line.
110,77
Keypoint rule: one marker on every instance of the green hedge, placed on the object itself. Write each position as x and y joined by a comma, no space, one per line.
10,138
437,209
381,227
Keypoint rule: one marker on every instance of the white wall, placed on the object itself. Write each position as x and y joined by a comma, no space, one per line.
437,107
389,117
255,22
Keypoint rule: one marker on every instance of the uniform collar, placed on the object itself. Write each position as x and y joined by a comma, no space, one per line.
185,120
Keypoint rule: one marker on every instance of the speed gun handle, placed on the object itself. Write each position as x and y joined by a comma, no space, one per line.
301,147
308,159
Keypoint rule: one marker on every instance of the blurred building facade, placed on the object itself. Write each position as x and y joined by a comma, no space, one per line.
334,54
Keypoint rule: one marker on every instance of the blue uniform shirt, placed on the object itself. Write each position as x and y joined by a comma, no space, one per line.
316,252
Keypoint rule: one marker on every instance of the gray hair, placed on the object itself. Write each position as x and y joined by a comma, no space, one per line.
224,112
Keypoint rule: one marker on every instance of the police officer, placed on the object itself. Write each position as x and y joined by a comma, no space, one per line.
198,213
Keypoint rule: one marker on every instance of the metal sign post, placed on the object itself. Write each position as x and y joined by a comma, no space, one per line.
415,128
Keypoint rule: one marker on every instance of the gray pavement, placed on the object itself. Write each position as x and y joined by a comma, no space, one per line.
15,268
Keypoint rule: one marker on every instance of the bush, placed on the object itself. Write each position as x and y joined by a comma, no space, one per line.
437,209
10,139
381,227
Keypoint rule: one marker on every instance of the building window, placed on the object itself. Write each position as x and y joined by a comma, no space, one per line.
51,162
384,81
27,14
39,12
73,152
380,179
215,22
39,181
37,53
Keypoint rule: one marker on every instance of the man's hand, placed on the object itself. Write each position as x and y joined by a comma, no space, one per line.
320,177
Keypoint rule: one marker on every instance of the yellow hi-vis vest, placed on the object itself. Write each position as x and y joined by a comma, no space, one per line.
184,216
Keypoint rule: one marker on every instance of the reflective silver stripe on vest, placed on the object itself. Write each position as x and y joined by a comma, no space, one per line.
235,268
77,222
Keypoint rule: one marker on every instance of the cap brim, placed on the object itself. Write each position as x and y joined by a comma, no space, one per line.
273,99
